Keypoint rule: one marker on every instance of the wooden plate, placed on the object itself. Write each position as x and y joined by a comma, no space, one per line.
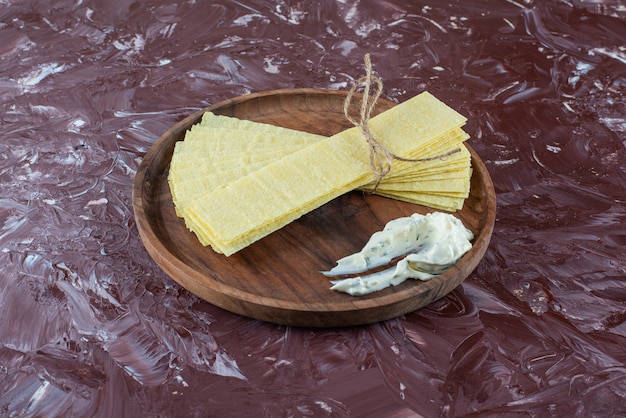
277,279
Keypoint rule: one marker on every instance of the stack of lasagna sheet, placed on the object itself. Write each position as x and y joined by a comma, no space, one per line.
235,181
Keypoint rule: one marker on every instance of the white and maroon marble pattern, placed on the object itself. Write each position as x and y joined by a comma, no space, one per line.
90,326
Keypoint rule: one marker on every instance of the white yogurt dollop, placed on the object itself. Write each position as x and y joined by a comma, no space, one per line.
434,242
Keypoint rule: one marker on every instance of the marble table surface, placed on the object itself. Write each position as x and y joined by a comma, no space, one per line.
90,326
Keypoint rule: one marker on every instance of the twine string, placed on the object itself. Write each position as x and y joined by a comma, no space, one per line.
381,159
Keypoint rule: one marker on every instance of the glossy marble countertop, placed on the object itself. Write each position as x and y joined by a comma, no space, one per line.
91,327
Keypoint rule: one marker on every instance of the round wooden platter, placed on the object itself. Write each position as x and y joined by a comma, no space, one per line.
278,279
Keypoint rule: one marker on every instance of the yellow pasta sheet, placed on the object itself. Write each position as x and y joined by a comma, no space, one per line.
242,211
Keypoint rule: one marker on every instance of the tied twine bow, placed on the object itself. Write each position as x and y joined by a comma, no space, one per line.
381,159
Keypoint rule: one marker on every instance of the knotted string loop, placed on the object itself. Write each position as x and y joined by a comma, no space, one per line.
381,159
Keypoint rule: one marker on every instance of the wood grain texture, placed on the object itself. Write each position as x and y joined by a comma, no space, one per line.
277,279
